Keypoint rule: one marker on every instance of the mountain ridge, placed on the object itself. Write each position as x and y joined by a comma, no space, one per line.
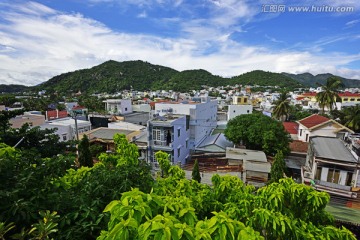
112,76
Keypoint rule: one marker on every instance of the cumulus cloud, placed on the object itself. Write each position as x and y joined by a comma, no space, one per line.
37,43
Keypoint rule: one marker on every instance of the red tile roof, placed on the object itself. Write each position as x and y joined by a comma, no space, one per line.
313,120
309,94
291,127
349,94
78,107
298,146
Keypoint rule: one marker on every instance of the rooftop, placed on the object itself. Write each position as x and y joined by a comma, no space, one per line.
332,148
313,120
291,127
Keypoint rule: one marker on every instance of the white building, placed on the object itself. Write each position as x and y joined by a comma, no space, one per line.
170,134
202,115
66,128
118,106
317,125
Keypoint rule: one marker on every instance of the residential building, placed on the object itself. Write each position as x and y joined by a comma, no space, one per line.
317,125
348,97
255,167
33,120
55,114
332,166
202,114
118,106
241,105
66,127
171,134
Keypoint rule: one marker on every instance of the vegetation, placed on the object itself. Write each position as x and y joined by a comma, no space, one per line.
85,158
309,80
258,132
278,167
328,97
183,209
352,117
195,172
282,109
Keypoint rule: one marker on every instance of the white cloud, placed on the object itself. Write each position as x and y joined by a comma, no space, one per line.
37,45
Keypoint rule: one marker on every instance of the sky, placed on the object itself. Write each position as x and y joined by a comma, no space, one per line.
42,39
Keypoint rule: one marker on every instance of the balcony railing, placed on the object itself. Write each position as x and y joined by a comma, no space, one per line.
162,143
332,185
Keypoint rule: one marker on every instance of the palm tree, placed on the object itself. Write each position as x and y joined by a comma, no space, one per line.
352,117
327,98
282,106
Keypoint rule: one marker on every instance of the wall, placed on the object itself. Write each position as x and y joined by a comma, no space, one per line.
236,110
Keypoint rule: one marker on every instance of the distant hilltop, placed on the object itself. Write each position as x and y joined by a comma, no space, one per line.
112,76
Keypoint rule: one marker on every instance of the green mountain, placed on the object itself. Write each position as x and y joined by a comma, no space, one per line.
113,76
310,80
263,78
13,88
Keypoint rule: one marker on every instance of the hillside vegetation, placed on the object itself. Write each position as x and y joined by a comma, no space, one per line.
113,76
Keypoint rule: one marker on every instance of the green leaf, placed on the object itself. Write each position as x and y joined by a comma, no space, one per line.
110,206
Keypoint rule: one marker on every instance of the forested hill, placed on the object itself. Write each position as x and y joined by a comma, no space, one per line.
113,76
310,80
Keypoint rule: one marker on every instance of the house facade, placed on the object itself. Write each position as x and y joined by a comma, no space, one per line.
118,106
170,134
317,125
202,115
332,166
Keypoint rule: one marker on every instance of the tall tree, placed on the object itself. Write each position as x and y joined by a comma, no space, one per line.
195,172
282,107
352,117
258,132
278,167
328,97
85,159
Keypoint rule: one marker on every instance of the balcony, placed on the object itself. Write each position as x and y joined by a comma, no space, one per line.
161,145
336,189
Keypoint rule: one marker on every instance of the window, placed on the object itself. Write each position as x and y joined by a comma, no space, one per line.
300,132
156,134
318,173
64,137
248,111
307,137
178,132
187,143
178,152
333,176
245,100
125,109
346,99
358,100
352,99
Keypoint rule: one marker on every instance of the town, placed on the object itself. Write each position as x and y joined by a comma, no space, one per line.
321,140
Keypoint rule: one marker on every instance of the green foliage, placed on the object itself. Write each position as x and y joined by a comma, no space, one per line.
46,226
85,158
163,159
258,132
278,167
282,107
96,150
328,97
4,228
196,172
352,117
283,210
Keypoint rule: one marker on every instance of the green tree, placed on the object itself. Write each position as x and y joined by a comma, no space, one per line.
85,158
352,117
282,109
328,97
195,172
278,167
258,132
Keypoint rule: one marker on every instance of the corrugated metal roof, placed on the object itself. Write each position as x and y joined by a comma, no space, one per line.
218,140
332,148
107,133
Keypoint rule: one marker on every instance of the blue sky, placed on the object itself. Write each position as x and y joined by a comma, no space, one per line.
41,39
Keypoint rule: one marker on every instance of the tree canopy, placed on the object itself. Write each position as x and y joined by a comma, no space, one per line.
258,132
328,97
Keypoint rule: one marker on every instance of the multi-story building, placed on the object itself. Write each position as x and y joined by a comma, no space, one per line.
332,166
118,106
241,105
202,114
32,119
171,134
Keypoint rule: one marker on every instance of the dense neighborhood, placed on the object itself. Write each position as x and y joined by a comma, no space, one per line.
220,131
